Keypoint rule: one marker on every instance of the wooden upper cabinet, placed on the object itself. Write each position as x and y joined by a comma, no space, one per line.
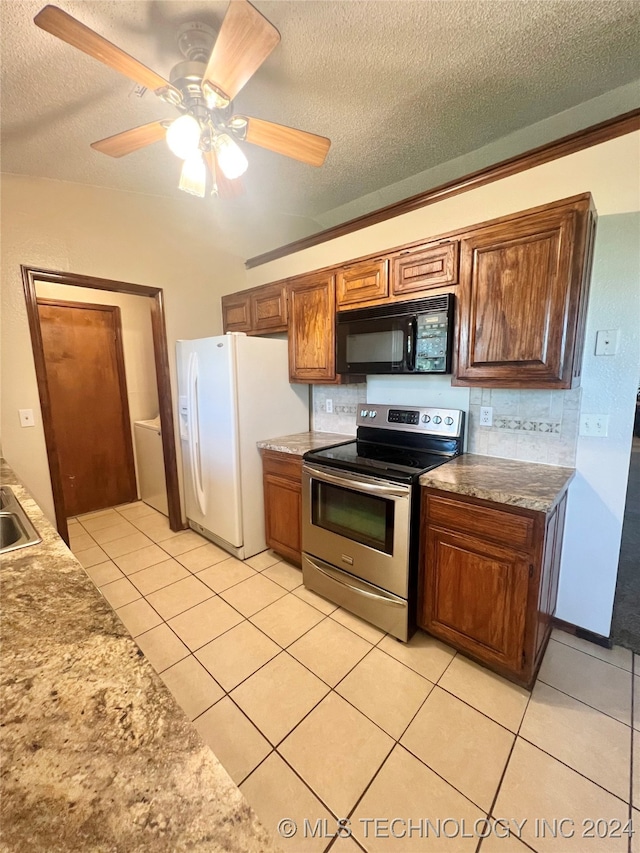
236,312
362,283
269,308
312,348
259,310
423,267
524,283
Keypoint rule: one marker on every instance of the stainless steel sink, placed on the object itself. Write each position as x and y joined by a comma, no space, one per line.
16,531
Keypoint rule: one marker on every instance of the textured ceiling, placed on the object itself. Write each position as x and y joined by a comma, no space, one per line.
398,86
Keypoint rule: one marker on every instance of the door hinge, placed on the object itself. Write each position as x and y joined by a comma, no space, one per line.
530,570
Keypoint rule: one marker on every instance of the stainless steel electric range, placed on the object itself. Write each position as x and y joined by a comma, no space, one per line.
361,508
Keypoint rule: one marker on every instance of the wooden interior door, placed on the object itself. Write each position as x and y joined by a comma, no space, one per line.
89,406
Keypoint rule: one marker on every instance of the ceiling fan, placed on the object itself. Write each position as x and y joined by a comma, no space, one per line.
202,87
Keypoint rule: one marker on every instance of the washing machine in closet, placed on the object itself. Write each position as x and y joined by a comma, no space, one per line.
150,463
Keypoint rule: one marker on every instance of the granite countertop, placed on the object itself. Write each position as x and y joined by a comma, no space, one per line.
301,442
507,481
96,754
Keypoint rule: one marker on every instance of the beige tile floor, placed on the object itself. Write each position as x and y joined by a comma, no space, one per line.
318,716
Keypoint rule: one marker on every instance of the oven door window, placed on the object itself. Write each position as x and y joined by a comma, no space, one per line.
367,519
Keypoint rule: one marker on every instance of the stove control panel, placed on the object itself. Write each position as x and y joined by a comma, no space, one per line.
425,420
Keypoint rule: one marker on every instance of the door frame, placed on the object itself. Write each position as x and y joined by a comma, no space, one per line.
114,310
31,275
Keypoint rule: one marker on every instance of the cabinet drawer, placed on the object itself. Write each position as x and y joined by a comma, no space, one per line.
424,267
508,528
282,464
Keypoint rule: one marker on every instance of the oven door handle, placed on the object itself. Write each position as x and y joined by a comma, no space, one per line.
347,480
387,597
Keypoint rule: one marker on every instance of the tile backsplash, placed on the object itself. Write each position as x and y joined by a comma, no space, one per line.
532,425
345,399
536,426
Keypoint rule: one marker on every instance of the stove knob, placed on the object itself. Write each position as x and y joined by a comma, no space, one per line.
363,413
426,419
448,421
437,419
372,414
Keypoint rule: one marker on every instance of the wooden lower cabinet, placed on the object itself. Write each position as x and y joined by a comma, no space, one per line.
489,579
282,480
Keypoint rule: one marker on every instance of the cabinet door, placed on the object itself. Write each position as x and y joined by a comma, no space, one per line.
419,269
520,299
236,312
475,596
362,283
550,575
283,513
269,308
312,349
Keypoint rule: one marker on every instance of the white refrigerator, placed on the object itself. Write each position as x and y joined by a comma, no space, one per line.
233,392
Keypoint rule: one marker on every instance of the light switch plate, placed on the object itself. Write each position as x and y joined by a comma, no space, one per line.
26,417
607,342
594,425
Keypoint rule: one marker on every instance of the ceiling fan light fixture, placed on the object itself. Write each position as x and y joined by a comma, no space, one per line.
230,156
183,137
215,99
193,178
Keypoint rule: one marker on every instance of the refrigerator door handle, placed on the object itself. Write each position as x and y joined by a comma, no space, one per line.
194,434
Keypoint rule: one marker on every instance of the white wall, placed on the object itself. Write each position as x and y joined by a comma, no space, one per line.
94,231
595,510
611,172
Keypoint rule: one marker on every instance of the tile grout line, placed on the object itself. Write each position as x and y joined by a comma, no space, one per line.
575,698
589,654
504,773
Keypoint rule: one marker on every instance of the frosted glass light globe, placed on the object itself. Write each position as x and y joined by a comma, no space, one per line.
193,178
230,156
183,136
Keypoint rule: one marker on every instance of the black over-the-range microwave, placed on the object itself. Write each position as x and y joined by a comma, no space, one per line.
402,337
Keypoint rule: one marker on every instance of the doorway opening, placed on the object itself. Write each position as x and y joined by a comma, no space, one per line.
31,277
625,623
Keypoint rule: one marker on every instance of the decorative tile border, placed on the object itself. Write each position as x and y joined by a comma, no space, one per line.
527,425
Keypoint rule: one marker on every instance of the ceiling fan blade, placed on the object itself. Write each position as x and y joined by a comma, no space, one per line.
226,188
298,144
60,24
245,40
129,141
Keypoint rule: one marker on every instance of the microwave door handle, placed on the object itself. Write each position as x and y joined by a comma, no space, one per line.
412,335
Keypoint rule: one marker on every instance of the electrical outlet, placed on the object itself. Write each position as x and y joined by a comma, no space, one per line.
26,417
329,406
594,425
486,415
